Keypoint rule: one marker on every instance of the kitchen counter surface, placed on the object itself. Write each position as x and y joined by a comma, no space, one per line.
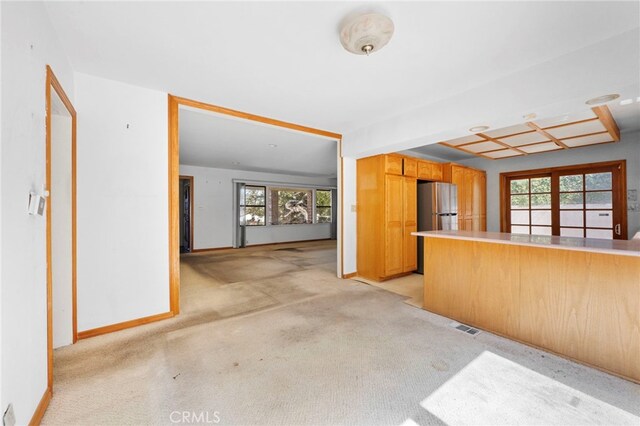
619,247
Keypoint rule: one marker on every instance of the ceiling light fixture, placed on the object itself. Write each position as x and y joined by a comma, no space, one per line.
626,102
477,129
272,145
365,34
602,99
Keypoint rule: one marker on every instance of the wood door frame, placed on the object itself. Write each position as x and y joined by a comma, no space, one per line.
191,239
52,82
174,103
620,198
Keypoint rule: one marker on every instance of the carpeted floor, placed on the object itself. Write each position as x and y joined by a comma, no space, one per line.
270,336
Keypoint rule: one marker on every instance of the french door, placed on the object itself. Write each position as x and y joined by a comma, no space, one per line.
586,201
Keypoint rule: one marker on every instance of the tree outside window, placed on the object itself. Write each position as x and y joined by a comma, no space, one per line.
323,206
255,206
290,206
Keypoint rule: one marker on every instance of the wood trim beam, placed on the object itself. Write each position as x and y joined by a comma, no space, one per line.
38,414
489,138
538,129
123,325
253,117
607,120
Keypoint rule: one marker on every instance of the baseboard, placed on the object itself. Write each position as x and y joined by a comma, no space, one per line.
289,242
351,275
41,408
208,249
123,325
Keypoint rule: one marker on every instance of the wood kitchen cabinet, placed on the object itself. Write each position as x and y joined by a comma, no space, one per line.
387,215
428,170
472,195
387,209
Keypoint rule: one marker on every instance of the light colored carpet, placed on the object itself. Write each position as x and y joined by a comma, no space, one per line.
300,348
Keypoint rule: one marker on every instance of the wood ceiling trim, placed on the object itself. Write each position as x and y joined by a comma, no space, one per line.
604,114
482,135
570,123
479,154
588,134
536,128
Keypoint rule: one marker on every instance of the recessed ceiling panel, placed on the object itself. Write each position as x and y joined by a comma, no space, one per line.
588,140
566,119
511,130
584,128
541,147
502,154
463,140
524,139
482,146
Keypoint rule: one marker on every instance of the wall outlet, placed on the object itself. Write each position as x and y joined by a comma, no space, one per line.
353,208
9,417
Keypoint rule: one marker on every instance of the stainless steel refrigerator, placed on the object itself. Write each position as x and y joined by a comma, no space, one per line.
437,210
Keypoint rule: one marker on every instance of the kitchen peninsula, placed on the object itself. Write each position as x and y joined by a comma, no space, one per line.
577,297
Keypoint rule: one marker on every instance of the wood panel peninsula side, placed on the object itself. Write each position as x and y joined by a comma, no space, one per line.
576,297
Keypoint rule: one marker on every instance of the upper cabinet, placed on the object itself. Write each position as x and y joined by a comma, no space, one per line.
428,170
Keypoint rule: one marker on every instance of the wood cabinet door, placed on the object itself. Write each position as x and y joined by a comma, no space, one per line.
410,213
468,193
436,172
393,250
393,164
410,167
457,178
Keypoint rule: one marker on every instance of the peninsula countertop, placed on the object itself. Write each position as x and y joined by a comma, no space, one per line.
618,247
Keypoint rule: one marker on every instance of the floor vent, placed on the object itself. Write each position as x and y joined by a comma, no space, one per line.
465,328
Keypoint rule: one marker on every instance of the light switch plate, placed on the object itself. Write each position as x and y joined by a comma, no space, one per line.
353,208
9,417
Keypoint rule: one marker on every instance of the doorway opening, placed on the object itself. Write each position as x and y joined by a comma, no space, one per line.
186,214
60,219
229,147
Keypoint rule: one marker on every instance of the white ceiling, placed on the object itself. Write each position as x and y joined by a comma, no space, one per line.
284,59
211,140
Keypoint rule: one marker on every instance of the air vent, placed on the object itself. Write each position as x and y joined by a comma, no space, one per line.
465,328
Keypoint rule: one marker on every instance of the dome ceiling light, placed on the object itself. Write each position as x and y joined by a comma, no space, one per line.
603,99
365,34
477,129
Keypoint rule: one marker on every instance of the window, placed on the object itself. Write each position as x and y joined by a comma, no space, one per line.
530,205
573,201
323,206
290,206
254,205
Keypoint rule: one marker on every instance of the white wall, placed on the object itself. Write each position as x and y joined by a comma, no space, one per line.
213,208
122,196
28,44
60,203
349,216
627,149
